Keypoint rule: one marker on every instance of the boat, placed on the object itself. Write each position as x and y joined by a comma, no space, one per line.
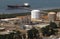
19,6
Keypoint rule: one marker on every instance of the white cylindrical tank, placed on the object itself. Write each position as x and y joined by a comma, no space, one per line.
52,16
35,14
58,15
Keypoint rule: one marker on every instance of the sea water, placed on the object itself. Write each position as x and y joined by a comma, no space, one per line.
35,4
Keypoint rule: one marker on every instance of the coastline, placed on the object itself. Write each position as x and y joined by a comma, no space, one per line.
3,16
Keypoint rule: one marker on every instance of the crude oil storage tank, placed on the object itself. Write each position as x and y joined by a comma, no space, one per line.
52,16
58,15
35,14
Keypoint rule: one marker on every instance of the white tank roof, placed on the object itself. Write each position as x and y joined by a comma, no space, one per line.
35,11
51,13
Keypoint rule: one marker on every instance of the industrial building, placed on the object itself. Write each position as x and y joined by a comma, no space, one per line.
37,18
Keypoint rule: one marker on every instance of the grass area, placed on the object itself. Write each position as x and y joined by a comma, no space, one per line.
13,15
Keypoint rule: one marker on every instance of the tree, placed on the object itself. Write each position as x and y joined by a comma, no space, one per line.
47,31
53,25
33,33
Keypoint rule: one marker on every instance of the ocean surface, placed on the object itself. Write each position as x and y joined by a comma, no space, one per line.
35,4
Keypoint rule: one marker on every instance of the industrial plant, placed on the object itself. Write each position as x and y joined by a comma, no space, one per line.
37,19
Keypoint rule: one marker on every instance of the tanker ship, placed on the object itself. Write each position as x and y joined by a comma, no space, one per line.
25,5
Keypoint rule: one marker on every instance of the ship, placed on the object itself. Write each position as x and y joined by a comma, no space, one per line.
25,5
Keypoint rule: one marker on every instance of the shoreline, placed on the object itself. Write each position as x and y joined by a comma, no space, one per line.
3,16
